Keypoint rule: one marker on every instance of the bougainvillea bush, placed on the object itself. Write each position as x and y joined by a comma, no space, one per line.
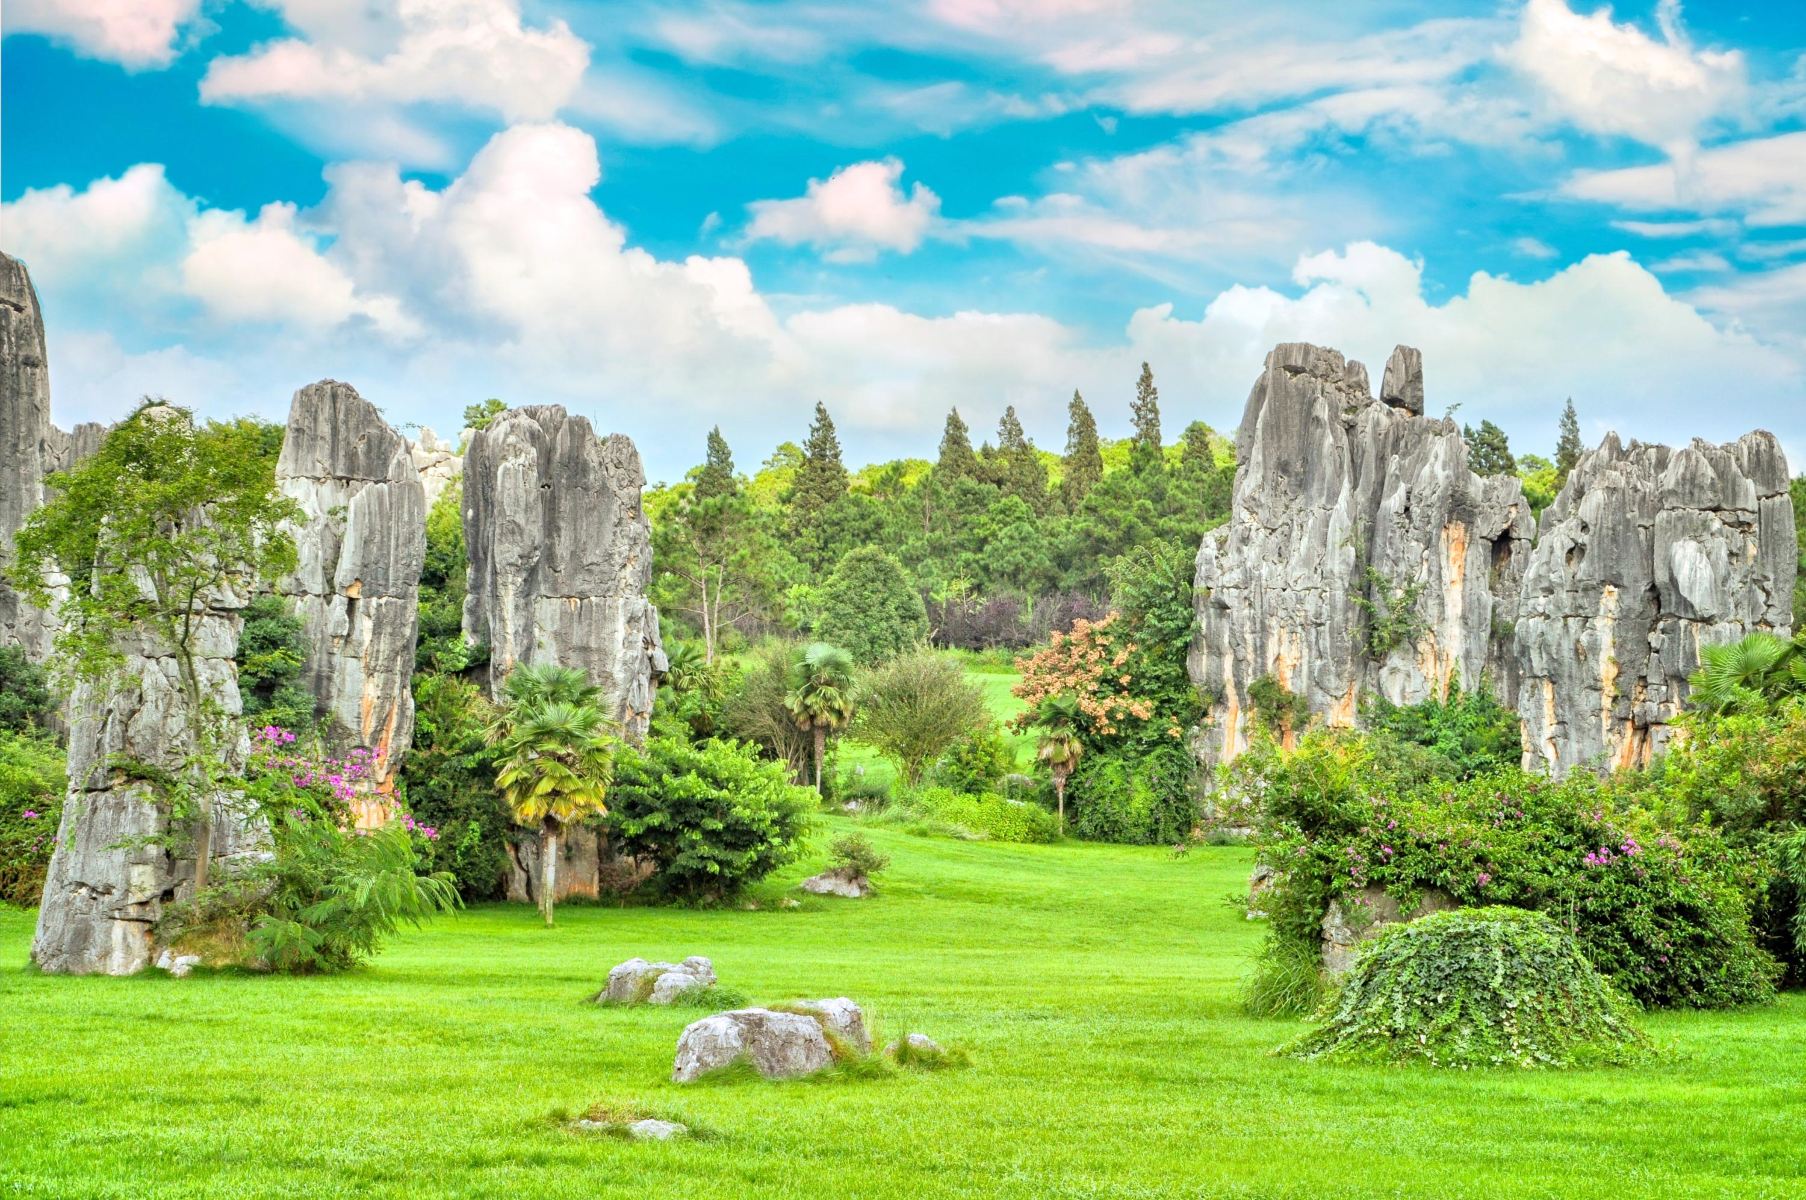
329,893
1663,912
31,803
1476,987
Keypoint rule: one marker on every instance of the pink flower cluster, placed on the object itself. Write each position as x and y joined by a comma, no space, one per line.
346,776
31,814
428,832
1606,855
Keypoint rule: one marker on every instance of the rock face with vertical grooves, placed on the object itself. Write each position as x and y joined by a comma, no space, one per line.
560,559
106,887
1344,505
1647,554
561,555
356,586
27,443
438,463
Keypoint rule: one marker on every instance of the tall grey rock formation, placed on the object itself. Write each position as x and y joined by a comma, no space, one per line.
118,861
356,586
1647,554
1362,555
561,555
560,559
27,443
438,463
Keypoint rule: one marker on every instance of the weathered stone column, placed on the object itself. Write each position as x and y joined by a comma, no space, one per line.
27,444
356,587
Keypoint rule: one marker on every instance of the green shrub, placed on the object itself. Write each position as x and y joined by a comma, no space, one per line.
26,702
447,781
1479,987
1662,912
982,816
1466,734
852,855
31,805
1144,799
710,817
976,763
870,608
914,707
271,651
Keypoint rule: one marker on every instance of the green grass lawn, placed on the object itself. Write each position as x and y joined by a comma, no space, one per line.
1095,988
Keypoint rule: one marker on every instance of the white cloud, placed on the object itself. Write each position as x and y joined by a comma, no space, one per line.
1698,260
518,285
268,270
1529,247
852,214
472,53
1615,79
134,33
723,34
1761,179
1770,303
1676,229
68,235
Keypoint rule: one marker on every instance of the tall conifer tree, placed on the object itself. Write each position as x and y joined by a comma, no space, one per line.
1145,413
717,475
1083,465
822,478
956,460
1567,447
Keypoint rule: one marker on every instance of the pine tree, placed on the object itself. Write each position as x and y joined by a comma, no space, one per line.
1145,413
1022,472
822,479
1567,448
717,475
956,461
1488,450
1197,454
1084,462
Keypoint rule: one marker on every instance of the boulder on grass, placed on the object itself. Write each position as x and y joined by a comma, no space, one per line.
637,981
778,1045
1356,919
916,1043
840,1018
655,1130
838,883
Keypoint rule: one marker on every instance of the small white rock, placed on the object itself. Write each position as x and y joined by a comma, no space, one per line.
652,1129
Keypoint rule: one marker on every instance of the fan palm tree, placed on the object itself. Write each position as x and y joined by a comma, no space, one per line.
1058,745
820,700
1749,674
557,764
533,684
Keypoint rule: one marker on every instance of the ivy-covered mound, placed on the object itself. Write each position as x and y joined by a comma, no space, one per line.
1476,987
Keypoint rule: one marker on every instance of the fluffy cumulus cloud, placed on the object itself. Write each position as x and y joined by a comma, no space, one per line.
1613,78
854,213
510,280
135,33
473,53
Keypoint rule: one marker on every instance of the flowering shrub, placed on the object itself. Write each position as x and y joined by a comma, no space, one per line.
1478,987
1661,912
1092,664
329,894
31,804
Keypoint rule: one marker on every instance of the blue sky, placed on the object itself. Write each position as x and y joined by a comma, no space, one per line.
672,215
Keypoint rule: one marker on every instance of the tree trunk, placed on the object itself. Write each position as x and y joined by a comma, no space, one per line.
548,871
1060,800
821,748
203,816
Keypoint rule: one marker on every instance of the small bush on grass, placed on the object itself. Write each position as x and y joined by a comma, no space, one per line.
1287,980
912,1057
855,858
988,817
710,817
1481,987
1139,799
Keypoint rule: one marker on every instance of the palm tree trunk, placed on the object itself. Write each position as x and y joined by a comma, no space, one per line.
1060,800
821,747
548,871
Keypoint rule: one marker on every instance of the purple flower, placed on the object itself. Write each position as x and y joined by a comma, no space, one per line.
1482,879
30,814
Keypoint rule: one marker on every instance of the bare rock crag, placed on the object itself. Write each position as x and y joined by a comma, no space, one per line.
1646,555
29,448
1345,506
1363,557
360,546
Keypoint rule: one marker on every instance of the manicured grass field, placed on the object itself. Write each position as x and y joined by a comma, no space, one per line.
1095,988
